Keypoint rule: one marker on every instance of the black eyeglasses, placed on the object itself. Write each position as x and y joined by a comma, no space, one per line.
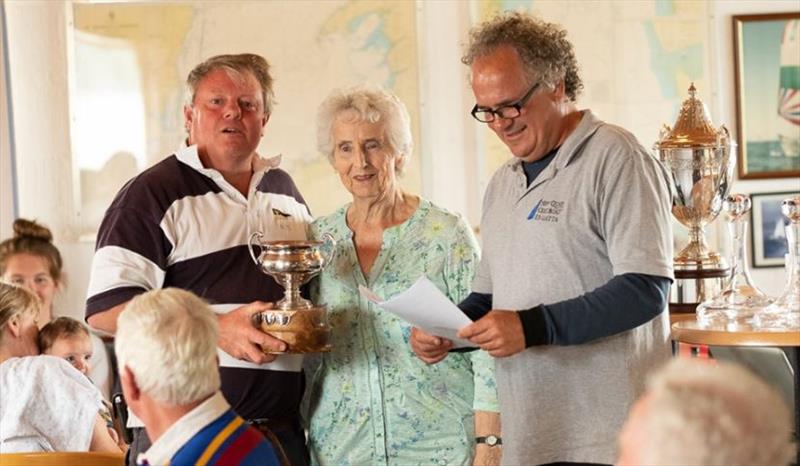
508,111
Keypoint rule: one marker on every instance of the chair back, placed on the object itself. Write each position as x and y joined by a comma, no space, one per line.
62,458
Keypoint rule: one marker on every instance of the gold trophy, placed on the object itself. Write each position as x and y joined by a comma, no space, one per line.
700,160
295,320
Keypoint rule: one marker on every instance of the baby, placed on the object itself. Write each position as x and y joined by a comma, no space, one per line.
69,339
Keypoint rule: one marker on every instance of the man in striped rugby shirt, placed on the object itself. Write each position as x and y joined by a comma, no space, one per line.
185,222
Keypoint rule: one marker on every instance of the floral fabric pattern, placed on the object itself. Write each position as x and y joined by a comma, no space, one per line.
371,400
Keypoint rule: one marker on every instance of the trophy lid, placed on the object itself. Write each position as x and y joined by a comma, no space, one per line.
693,127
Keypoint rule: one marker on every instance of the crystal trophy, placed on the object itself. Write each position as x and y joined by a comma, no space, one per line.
784,312
740,299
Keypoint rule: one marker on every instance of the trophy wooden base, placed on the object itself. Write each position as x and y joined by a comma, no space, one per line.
303,330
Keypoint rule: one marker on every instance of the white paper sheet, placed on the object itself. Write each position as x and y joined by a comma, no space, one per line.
423,305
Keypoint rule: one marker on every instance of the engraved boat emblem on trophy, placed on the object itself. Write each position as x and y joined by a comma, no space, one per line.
700,160
294,319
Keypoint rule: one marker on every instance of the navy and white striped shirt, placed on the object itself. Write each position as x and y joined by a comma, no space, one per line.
178,224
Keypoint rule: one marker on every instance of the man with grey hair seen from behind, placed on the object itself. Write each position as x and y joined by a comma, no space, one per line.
167,353
185,223
571,291
700,414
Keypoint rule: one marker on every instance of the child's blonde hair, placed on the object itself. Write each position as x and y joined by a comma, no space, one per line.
15,301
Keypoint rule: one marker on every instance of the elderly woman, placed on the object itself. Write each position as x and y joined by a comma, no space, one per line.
371,400
45,404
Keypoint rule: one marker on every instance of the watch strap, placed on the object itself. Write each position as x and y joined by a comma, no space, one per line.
490,440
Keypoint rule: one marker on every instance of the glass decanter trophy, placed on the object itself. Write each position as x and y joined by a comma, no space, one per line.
784,312
700,160
295,320
740,299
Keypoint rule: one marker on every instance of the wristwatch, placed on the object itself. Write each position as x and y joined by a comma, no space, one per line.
490,440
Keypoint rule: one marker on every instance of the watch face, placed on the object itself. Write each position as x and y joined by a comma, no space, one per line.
491,440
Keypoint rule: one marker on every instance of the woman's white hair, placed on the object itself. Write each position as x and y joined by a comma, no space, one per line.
714,415
168,340
366,103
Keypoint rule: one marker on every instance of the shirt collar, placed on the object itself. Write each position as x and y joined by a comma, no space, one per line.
586,127
165,447
577,138
190,156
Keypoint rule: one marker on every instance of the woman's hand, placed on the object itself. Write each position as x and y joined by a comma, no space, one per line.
429,348
102,440
487,456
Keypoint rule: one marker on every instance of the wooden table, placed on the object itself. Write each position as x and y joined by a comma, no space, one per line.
689,331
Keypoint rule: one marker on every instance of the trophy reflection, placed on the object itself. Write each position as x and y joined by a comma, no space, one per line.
700,161
295,320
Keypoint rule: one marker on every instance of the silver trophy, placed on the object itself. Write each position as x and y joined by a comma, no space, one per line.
295,320
700,160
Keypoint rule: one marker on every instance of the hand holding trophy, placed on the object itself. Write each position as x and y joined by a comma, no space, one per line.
295,320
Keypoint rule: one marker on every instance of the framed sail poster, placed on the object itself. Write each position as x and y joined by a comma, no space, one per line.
767,58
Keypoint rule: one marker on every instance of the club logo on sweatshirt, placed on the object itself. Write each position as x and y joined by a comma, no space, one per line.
546,211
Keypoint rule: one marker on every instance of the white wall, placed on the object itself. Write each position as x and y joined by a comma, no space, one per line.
6,166
450,168
37,57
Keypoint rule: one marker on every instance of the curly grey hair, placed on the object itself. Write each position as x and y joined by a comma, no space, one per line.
543,47
234,65
366,104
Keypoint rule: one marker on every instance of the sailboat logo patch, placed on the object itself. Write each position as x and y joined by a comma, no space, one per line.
533,211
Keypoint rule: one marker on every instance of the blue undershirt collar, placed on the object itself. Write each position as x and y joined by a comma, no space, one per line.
533,169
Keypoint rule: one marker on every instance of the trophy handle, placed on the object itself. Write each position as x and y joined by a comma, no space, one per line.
329,240
664,132
723,136
250,245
